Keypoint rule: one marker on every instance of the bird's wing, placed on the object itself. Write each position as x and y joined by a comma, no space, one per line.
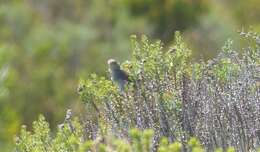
124,75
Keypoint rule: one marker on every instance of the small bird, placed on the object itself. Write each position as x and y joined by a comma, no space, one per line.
118,76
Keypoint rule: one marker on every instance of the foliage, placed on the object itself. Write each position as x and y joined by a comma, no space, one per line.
214,101
46,45
70,137
45,50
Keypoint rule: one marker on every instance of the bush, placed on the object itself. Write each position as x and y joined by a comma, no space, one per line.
171,99
70,137
216,101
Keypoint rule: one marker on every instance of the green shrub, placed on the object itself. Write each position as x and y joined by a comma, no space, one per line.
216,101
70,137
173,104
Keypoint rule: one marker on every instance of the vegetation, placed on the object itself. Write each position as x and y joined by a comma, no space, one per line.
70,138
47,46
171,98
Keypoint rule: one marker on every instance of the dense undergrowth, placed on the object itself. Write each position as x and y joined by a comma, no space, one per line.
70,137
195,106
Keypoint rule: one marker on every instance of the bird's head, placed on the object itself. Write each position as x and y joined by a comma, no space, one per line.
113,65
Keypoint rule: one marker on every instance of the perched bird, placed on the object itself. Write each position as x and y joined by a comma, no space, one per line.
118,76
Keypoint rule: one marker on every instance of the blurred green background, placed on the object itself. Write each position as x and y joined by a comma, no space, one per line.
46,46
